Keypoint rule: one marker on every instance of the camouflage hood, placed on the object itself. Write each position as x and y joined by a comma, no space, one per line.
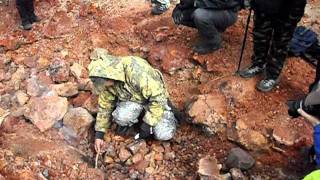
106,66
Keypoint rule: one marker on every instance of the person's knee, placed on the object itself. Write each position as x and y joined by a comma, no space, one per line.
200,16
164,135
166,129
127,113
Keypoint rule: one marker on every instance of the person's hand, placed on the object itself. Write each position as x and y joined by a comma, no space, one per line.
293,107
177,15
98,144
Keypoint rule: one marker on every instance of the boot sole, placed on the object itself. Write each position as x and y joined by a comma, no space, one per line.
267,90
249,76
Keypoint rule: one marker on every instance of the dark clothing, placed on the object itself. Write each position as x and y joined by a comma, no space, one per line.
272,34
26,10
267,6
218,4
210,17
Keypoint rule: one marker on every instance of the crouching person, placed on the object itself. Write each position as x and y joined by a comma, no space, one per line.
130,92
210,17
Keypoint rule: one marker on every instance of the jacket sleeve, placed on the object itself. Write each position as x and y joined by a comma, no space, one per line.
106,105
154,91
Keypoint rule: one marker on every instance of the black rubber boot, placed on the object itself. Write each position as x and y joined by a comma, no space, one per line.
206,46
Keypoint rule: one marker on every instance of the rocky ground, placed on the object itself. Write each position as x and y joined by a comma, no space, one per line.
47,109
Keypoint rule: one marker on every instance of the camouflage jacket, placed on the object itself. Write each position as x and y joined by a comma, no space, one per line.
135,80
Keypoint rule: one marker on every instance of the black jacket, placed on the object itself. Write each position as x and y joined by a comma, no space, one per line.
277,6
211,4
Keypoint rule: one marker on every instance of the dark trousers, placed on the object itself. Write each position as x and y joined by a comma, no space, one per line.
26,10
209,22
272,34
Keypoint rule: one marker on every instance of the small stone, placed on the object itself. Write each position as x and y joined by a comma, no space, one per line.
141,166
59,71
137,146
85,85
283,136
43,63
150,170
158,156
226,176
169,155
36,87
208,167
17,112
43,112
66,89
19,161
22,97
108,160
237,174
240,159
76,70
91,104
2,74
79,120
79,100
124,154
137,157
158,148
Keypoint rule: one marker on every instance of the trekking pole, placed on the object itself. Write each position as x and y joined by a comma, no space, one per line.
244,40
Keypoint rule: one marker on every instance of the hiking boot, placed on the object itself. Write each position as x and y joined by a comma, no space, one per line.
208,46
159,9
26,25
34,18
251,71
267,84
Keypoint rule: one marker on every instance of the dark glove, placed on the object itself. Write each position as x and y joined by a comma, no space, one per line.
293,107
177,15
145,131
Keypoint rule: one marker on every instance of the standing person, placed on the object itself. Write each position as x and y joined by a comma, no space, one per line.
131,92
26,12
274,25
210,17
160,6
